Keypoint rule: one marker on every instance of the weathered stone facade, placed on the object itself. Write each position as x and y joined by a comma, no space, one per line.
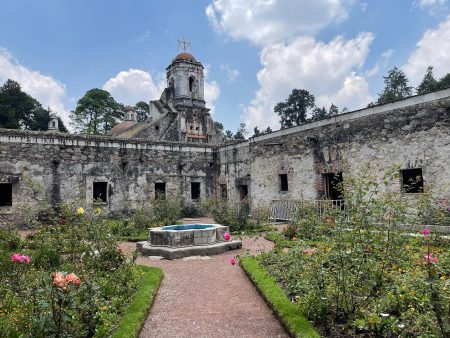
412,133
54,168
125,171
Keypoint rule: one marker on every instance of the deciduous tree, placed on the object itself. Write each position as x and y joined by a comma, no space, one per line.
142,110
18,110
294,110
96,112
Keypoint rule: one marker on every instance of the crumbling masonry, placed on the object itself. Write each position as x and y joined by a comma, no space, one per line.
179,152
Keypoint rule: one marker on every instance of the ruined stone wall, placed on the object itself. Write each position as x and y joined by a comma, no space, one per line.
54,168
413,133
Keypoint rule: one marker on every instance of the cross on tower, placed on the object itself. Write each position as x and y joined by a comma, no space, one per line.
183,44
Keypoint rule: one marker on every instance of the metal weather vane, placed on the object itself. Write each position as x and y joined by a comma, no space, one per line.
183,44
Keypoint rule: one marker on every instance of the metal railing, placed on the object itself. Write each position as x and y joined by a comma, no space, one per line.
285,210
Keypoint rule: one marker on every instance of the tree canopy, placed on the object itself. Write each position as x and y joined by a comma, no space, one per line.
428,83
294,110
396,87
142,110
18,110
241,132
97,112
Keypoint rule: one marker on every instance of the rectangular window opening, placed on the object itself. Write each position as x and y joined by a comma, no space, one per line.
5,194
223,191
283,182
243,192
160,190
100,191
412,181
195,190
332,183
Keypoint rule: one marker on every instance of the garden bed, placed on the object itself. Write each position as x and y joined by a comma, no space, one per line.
290,316
133,319
357,272
69,277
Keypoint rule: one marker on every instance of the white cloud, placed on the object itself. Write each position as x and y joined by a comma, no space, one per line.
212,91
428,3
134,85
269,21
231,73
327,70
433,49
434,7
48,91
385,57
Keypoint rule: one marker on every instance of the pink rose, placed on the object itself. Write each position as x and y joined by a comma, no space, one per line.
430,258
26,259
226,236
71,278
309,251
233,260
425,232
59,280
17,257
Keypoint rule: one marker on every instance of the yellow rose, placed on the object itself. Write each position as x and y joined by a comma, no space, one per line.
80,211
98,210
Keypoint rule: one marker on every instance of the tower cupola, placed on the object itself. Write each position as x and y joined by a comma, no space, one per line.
130,114
185,78
53,121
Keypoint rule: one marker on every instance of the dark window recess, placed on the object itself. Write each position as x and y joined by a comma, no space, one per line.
223,191
5,194
195,190
412,180
332,184
284,186
160,190
100,191
243,191
191,84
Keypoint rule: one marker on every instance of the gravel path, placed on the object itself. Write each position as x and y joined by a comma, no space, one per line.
208,297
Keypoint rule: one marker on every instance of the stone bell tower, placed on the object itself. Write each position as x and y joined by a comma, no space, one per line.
185,79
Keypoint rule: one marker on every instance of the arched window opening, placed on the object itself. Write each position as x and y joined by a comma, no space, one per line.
191,84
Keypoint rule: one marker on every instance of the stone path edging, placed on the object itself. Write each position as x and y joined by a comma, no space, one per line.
207,298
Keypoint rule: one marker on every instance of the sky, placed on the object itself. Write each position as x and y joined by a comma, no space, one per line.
254,52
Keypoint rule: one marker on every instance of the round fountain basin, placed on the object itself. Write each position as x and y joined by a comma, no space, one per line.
187,235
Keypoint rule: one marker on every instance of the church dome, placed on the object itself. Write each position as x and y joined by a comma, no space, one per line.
185,56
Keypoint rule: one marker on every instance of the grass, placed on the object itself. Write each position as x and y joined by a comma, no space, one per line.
133,319
289,315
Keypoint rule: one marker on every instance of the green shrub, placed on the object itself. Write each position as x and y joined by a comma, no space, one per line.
362,273
75,283
167,211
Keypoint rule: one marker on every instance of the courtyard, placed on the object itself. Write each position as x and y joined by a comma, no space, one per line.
225,168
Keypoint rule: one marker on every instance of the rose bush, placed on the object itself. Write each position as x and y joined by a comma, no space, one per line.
363,274
66,279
